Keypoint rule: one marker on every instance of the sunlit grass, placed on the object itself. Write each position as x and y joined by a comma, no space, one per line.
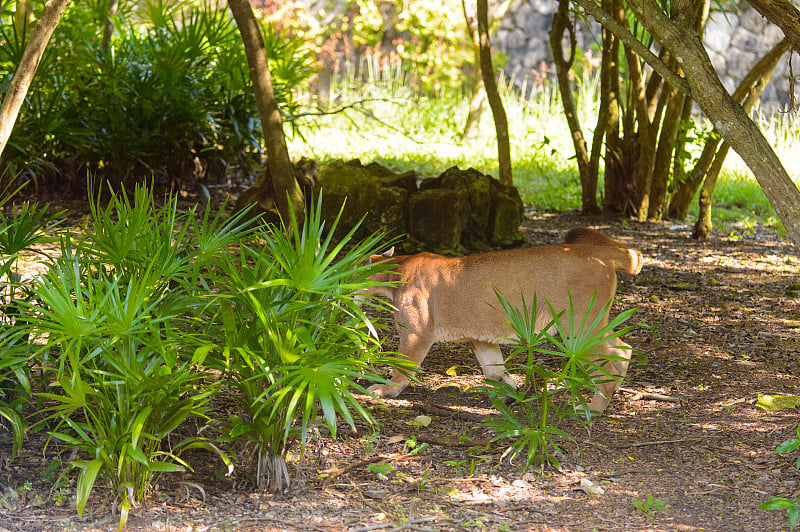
397,128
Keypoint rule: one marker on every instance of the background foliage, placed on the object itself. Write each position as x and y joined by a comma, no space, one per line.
169,97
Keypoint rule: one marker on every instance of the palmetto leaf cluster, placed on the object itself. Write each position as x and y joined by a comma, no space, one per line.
151,312
295,341
22,228
530,417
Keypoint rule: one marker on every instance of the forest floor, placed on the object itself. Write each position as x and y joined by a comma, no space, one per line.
722,324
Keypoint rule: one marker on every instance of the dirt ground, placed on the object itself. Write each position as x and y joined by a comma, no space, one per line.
722,326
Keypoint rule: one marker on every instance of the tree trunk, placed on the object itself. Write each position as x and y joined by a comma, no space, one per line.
621,153
728,116
681,200
752,84
277,182
666,144
31,55
493,95
609,94
753,90
108,25
478,98
476,104
561,24
702,227
784,15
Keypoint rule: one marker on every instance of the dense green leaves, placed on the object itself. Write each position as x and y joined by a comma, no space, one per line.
152,311
22,228
292,339
529,417
169,97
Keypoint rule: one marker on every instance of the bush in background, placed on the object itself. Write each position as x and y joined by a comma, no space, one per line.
169,98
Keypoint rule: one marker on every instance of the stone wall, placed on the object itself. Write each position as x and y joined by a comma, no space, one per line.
735,41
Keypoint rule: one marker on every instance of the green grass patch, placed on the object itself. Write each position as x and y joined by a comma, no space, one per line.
402,130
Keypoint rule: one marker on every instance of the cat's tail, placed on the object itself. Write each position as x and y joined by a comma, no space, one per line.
606,249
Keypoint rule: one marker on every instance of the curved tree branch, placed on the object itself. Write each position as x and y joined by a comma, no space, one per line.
492,94
31,55
633,43
784,15
727,115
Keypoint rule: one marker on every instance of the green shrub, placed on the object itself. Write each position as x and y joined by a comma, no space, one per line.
170,98
21,229
293,342
531,420
118,314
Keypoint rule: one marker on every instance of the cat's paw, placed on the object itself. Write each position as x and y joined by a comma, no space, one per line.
385,391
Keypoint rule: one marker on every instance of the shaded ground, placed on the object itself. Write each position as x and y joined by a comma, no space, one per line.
724,327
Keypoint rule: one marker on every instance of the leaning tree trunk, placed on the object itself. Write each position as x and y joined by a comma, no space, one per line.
31,55
493,95
749,90
754,89
727,115
277,182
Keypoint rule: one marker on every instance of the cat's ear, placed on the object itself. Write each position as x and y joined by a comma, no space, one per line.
382,256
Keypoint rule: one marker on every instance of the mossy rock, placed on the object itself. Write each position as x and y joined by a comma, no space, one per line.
438,218
370,192
460,211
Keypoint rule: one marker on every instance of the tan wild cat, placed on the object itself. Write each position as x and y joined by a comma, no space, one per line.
452,299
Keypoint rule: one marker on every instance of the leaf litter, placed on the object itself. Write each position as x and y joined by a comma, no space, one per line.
684,445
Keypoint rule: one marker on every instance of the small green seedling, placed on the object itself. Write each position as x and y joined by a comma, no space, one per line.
792,506
382,471
460,465
651,507
412,447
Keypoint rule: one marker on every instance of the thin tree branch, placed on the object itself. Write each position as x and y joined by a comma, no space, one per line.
31,55
633,43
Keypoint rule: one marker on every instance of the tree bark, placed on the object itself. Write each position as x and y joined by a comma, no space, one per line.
609,93
666,143
478,97
784,15
749,90
633,44
493,95
12,102
588,181
728,117
108,25
277,183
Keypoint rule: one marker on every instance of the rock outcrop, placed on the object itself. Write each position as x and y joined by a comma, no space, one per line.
461,211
